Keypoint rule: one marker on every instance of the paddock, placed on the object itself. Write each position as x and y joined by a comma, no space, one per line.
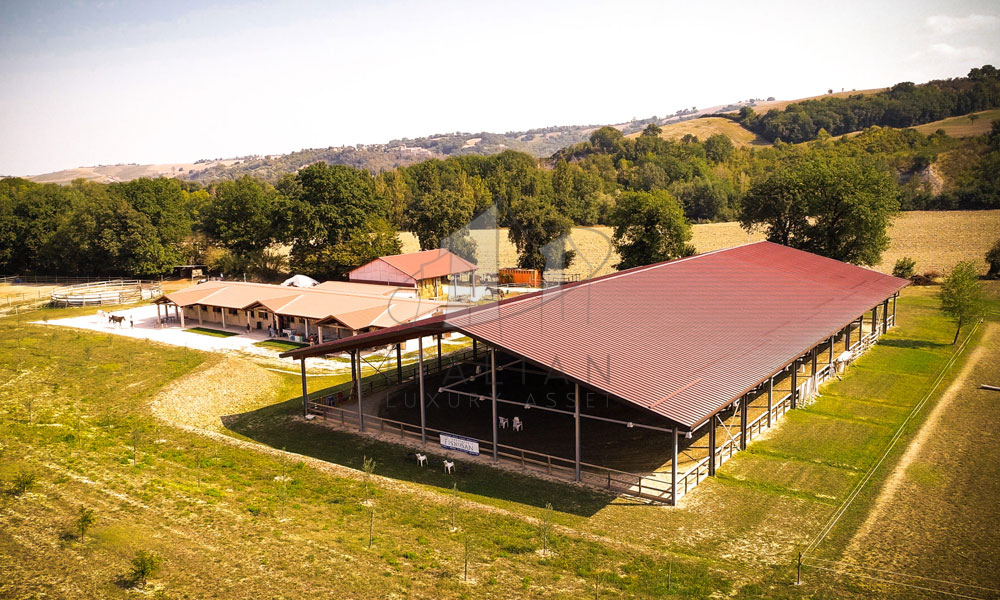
583,425
102,293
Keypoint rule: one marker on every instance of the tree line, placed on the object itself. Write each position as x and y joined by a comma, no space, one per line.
834,197
903,105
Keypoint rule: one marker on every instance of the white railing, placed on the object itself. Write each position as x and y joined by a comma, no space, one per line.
631,484
114,291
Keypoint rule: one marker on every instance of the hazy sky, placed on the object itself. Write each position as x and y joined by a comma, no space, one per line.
86,83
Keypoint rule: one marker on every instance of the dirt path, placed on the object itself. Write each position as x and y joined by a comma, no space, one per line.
930,428
220,387
936,516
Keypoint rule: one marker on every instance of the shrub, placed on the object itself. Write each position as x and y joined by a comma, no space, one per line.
904,267
962,295
933,275
23,481
993,258
85,520
144,565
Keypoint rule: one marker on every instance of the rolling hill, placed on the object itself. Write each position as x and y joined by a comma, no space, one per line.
540,142
963,126
112,173
705,127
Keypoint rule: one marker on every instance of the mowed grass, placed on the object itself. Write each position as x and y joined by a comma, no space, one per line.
940,520
769,502
232,521
936,240
962,126
248,523
280,345
211,332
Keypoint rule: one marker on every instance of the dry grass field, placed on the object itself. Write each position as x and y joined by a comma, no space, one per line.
763,107
705,127
23,292
937,240
962,126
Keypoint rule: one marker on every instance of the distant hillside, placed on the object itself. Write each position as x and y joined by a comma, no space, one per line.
757,124
963,126
705,127
541,142
764,106
112,173
903,105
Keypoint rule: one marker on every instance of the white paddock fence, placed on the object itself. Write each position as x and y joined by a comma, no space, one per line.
99,293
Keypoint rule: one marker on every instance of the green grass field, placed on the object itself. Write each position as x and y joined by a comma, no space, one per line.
280,345
211,332
243,520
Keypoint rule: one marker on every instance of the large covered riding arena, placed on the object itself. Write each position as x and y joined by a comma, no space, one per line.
642,382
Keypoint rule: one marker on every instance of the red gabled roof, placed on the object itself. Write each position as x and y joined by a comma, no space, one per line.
428,264
681,339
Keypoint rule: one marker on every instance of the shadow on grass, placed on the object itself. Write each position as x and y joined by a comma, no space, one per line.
911,344
278,426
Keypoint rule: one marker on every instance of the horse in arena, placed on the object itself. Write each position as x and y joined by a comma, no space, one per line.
117,320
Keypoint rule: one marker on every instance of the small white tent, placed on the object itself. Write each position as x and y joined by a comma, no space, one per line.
300,281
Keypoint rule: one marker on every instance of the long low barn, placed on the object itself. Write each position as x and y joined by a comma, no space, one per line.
330,310
679,342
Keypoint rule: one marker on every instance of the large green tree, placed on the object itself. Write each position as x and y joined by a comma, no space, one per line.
336,222
718,147
962,295
649,227
442,204
534,225
828,203
242,215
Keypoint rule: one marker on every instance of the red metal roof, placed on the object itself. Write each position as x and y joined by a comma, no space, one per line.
427,264
681,339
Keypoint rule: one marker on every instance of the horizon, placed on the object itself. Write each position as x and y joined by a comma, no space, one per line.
101,83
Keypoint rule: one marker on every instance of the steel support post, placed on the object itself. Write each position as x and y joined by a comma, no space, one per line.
493,397
576,427
305,390
673,472
420,377
711,447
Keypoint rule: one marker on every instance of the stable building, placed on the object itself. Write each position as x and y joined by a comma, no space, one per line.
328,311
430,272
642,381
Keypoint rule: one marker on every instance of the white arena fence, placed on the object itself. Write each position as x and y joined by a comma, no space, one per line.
108,292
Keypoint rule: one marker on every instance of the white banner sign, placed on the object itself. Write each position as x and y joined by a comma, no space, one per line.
450,441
